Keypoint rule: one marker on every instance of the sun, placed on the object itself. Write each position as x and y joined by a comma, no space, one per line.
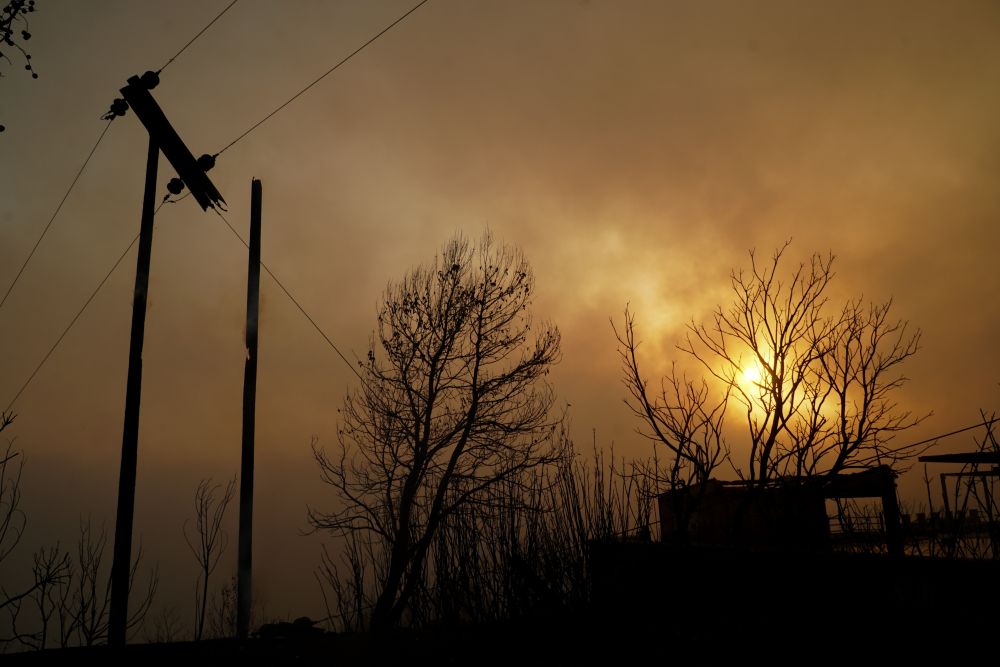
751,374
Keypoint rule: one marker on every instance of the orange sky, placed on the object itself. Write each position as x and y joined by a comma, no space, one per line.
634,150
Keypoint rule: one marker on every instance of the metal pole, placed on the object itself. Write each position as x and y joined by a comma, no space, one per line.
120,566
249,408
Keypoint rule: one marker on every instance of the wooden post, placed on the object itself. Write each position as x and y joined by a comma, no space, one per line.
122,559
244,588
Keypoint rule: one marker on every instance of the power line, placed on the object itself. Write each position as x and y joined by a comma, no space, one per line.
70,325
76,178
77,316
195,38
321,77
115,266
132,243
986,422
293,300
79,173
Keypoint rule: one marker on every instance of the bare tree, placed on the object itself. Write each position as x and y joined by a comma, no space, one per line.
166,627
88,605
683,416
223,613
347,581
69,599
817,390
523,550
67,602
50,570
209,541
453,403
860,369
12,518
50,566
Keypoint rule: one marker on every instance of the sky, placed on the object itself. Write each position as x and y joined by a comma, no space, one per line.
636,151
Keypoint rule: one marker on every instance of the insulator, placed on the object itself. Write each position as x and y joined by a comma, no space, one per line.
206,162
118,108
175,186
150,80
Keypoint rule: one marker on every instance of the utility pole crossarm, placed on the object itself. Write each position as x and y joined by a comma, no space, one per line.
136,93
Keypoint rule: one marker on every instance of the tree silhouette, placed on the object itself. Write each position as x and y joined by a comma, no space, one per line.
817,389
208,542
453,403
50,566
683,416
14,31
69,600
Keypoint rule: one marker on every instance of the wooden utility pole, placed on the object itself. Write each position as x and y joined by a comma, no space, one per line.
162,137
120,565
244,588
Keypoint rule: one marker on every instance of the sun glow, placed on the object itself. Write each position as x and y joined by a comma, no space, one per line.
751,375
